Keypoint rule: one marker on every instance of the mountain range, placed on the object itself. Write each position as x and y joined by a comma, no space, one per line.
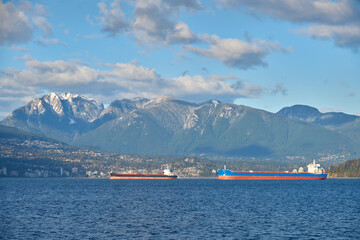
345,124
170,126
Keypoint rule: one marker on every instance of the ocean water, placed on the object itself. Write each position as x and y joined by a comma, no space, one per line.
179,209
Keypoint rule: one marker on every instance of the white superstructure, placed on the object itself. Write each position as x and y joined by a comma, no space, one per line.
168,172
315,168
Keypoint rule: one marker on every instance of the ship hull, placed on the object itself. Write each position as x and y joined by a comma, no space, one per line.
229,175
141,176
268,178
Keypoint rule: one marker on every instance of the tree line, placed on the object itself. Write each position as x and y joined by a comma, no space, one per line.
350,168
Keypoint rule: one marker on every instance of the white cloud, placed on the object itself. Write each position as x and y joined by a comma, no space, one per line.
279,88
190,5
130,76
18,22
48,41
226,88
154,21
343,36
47,75
58,73
15,26
42,24
17,48
89,20
338,21
180,34
113,20
133,81
25,58
202,85
236,53
319,11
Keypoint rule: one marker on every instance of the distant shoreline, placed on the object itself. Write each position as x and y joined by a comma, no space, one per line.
344,177
136,179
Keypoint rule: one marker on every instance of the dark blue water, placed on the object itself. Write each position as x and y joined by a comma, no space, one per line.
179,209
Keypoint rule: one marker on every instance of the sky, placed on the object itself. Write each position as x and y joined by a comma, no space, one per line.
265,54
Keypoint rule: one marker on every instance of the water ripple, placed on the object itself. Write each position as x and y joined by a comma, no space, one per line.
179,209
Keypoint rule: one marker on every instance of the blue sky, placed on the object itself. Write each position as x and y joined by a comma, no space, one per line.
263,54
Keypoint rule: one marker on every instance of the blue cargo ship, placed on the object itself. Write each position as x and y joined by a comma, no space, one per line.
315,172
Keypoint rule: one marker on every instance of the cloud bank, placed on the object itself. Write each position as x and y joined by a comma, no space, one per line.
237,53
120,80
153,23
338,21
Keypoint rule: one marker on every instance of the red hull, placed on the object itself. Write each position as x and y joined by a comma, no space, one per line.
141,176
268,178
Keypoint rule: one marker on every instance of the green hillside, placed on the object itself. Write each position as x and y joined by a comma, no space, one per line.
348,169
11,132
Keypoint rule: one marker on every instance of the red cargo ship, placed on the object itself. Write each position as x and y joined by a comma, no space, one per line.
168,174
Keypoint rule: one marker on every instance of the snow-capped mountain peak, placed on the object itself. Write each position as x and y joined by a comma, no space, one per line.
56,111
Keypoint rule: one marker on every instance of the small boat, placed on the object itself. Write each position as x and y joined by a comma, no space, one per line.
315,172
168,174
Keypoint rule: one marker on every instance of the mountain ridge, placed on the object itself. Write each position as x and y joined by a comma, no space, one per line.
56,115
345,124
314,116
166,125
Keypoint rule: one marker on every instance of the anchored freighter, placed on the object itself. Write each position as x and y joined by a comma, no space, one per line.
168,174
315,172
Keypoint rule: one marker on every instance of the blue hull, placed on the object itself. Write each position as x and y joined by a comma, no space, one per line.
230,175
